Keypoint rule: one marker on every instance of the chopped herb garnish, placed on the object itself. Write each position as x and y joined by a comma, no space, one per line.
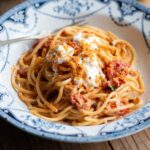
112,87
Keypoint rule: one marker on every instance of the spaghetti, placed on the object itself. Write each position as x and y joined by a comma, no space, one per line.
81,75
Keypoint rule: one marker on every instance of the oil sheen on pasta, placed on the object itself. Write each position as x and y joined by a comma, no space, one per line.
80,76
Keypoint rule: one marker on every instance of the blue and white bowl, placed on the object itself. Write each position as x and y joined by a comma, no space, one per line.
126,18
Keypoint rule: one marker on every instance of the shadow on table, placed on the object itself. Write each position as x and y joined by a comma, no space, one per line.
12,138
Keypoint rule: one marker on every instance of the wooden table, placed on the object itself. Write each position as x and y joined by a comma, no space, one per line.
12,138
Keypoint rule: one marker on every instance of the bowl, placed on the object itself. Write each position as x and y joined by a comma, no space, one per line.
128,19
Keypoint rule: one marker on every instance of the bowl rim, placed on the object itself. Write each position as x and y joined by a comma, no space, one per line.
68,138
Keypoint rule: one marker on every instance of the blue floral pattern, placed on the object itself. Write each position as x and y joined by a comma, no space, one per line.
1,28
6,98
105,1
127,9
19,17
2,59
73,7
39,5
39,123
4,51
2,95
147,17
146,32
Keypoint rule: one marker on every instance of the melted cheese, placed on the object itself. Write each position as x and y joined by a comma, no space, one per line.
78,80
90,65
93,46
65,52
92,41
92,70
78,37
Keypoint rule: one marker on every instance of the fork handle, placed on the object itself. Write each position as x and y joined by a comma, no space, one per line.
2,43
38,36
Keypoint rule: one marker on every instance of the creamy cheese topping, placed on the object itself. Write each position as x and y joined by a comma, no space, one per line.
78,80
65,52
92,70
92,41
78,37
90,65
93,46
61,60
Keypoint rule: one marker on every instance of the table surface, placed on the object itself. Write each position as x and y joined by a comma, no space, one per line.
12,138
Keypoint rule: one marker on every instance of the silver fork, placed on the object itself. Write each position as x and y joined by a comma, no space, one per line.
39,35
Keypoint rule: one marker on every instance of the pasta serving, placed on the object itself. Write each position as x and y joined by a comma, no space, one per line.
81,75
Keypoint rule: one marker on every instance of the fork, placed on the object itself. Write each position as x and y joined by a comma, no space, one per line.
40,34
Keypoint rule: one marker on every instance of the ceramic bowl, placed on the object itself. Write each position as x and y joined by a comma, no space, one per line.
126,18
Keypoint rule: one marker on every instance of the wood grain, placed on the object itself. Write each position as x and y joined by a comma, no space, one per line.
12,138
7,4
145,2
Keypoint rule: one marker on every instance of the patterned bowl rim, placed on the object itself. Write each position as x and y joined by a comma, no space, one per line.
68,138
